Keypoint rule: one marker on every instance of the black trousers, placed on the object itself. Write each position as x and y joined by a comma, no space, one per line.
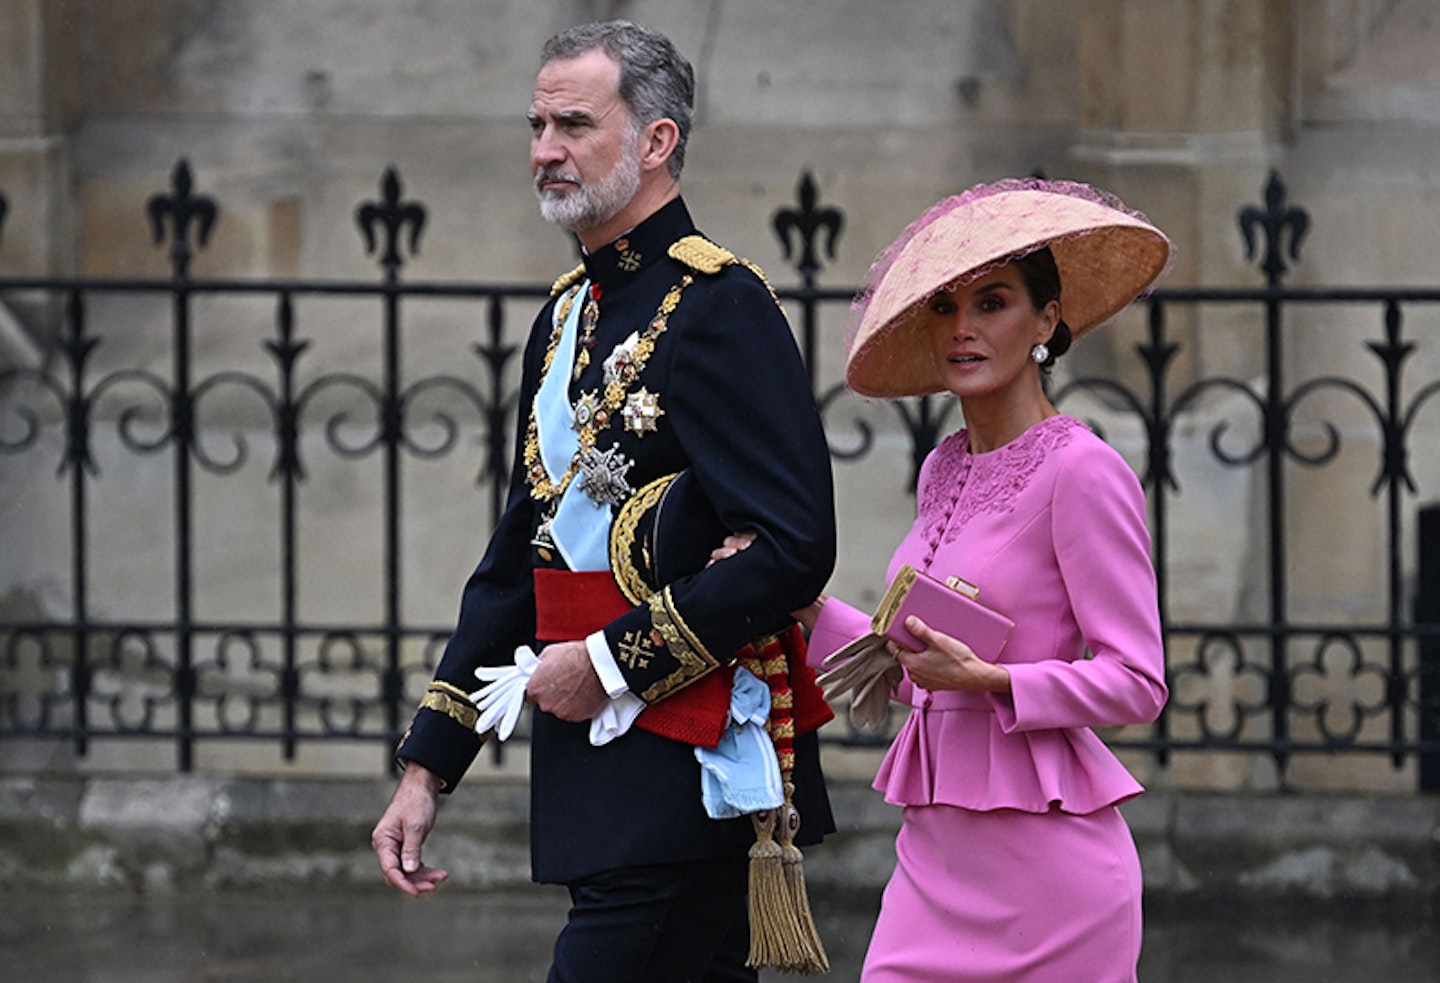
669,923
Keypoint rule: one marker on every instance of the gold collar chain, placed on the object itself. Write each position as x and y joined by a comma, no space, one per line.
591,424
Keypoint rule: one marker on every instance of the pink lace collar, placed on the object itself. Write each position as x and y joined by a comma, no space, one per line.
957,485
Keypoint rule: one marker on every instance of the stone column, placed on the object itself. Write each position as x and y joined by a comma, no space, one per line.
37,99
1183,107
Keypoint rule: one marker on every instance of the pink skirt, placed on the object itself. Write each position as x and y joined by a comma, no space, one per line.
1009,896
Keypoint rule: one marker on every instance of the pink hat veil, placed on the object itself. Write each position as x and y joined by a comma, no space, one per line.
1107,255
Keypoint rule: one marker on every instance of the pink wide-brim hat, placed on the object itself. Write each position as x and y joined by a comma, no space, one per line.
1107,256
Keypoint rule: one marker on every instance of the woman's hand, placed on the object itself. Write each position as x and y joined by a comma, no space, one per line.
734,543
948,663
807,615
737,541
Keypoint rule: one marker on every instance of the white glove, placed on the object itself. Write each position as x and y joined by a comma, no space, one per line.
503,697
865,669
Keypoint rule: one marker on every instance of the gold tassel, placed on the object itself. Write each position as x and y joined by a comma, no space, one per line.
782,930
772,923
810,957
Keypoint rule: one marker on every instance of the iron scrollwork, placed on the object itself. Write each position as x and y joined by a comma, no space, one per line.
1261,684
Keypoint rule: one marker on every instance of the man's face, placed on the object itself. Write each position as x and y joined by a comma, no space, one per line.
584,144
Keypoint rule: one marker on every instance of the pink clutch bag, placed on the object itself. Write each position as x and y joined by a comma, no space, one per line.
950,607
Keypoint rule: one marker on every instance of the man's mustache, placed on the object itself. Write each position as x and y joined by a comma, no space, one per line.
544,177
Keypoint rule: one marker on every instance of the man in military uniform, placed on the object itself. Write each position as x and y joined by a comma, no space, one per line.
661,355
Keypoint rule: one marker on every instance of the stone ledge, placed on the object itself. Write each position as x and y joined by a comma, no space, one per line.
183,833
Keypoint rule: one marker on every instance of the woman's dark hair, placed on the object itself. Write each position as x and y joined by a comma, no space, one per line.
1042,282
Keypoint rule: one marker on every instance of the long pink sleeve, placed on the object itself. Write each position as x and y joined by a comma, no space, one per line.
1103,549
837,625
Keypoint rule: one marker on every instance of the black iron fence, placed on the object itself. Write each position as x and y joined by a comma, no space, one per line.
1268,654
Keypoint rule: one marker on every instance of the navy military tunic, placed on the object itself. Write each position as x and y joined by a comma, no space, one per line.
723,396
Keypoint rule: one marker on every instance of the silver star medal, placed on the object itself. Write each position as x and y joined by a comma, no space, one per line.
602,475
642,412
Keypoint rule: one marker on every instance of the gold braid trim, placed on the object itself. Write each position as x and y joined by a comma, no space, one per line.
568,280
754,268
695,660
441,686
462,711
622,539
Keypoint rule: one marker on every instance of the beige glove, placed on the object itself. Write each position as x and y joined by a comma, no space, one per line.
865,669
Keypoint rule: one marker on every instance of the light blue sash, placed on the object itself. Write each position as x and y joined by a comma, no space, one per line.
581,527
741,774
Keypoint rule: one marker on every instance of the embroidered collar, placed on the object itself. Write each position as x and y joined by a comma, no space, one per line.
640,248
958,484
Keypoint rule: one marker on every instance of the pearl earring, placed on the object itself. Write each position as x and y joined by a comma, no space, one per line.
1040,353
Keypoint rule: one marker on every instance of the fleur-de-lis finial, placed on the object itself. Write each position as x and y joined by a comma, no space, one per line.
393,215
182,208
1275,221
808,221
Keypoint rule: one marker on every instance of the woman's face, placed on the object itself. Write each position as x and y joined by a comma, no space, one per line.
982,332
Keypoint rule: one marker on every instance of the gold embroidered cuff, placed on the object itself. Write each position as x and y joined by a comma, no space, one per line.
451,701
695,661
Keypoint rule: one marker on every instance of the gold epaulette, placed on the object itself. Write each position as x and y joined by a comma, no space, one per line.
704,256
701,255
568,280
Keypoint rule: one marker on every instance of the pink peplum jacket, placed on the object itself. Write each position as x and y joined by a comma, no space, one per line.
1051,527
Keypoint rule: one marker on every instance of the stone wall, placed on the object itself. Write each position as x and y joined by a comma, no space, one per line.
289,112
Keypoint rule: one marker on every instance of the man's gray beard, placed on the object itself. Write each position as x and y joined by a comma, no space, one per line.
590,205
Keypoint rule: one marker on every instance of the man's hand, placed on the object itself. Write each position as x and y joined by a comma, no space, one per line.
565,684
399,834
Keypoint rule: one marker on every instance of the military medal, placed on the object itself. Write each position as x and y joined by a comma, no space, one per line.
620,366
589,317
642,410
603,471
544,541
602,475
586,409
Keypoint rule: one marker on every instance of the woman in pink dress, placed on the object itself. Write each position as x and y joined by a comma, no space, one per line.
1012,862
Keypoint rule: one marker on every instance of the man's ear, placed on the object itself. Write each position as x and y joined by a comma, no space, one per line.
657,142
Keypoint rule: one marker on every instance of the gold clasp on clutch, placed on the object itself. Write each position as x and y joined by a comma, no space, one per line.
962,587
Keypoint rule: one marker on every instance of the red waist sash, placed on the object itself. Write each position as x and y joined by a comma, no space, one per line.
571,605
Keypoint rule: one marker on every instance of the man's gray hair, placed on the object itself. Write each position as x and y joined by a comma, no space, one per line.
656,81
